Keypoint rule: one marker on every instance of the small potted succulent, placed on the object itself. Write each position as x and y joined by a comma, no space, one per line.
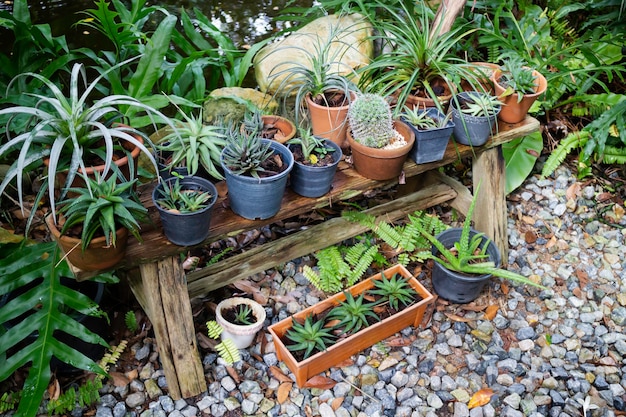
241,318
432,131
379,144
185,206
474,115
518,86
316,161
93,226
256,171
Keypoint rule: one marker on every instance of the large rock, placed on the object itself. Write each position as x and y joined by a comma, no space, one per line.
230,103
350,46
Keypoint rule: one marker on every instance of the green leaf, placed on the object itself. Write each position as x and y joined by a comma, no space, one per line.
520,156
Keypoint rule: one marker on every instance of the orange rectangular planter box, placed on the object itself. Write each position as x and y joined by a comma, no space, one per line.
321,361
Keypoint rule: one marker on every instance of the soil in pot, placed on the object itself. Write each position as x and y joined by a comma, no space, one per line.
298,156
331,99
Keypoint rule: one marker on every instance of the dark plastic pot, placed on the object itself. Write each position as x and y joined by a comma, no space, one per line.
186,229
471,130
258,198
455,286
315,181
430,145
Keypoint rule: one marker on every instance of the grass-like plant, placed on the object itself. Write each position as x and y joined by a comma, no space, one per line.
102,207
478,104
353,313
243,315
177,198
422,120
310,336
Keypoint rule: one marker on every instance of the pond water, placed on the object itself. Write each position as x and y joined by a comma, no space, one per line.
246,21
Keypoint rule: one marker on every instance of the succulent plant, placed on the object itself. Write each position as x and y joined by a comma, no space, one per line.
371,121
245,151
517,78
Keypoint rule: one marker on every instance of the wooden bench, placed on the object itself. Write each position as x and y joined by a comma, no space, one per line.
158,281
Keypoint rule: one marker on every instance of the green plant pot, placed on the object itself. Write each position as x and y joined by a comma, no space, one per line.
471,130
258,198
455,286
315,181
186,229
430,145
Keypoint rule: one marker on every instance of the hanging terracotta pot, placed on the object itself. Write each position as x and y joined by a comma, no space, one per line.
97,256
512,110
381,164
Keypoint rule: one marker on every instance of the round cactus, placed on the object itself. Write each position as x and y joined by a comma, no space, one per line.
371,121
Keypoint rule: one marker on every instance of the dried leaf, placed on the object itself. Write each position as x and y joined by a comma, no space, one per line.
336,403
530,236
505,287
480,398
491,311
455,317
474,307
551,242
279,375
398,342
119,379
54,389
320,382
583,277
233,374
573,191
283,392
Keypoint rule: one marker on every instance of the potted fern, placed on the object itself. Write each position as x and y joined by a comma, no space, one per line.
256,171
432,131
241,318
185,206
474,115
379,144
316,161
323,335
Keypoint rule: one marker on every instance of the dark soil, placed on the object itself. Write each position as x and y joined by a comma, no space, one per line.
274,165
322,161
331,99
230,314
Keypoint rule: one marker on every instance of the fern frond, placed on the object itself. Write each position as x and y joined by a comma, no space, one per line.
567,144
228,351
131,321
364,262
354,253
112,356
404,259
614,155
214,330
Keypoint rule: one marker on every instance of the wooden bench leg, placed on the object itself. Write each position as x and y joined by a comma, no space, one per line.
490,217
163,289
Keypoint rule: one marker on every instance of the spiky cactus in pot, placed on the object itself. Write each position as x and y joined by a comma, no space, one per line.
371,121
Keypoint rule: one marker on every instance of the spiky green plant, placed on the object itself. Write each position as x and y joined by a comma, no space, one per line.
103,206
371,120
177,197
422,120
478,104
517,78
353,313
310,336
246,151
394,290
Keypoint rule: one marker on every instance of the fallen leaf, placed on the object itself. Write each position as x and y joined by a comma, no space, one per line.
398,342
551,242
474,307
336,403
573,191
480,398
132,375
278,374
119,379
455,317
233,374
54,389
530,236
320,382
505,288
283,392
491,312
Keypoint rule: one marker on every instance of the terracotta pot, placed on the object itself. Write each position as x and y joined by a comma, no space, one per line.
98,256
241,335
512,111
366,337
420,102
286,128
329,122
381,164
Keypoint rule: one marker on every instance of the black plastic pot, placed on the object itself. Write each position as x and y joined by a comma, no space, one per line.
455,286
186,229
471,130
258,198
430,145
315,181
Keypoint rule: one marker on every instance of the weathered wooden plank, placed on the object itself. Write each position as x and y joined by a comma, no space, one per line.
490,214
307,241
165,290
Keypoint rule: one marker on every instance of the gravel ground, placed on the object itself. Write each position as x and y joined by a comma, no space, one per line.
553,353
